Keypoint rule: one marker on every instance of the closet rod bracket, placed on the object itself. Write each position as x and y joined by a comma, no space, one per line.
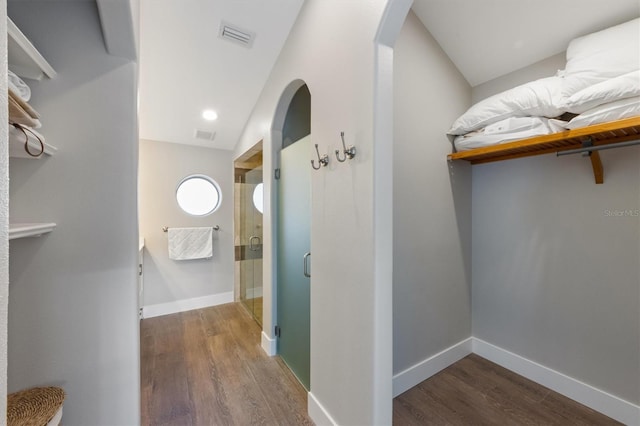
590,150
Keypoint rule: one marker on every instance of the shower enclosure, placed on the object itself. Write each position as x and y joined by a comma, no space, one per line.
248,231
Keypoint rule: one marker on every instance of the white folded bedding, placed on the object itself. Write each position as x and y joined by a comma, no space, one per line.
602,55
508,130
611,90
601,82
612,111
536,98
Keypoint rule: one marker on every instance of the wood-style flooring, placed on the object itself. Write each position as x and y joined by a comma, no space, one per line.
206,367
474,391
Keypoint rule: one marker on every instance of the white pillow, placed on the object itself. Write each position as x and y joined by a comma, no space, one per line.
613,111
602,55
621,87
537,98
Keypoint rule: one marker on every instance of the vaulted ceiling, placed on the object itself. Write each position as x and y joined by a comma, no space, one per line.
185,67
489,38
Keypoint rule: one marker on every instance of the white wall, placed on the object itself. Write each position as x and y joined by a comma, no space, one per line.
163,165
546,68
432,202
73,298
555,272
4,214
331,48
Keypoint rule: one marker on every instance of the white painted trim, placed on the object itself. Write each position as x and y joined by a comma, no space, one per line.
318,413
383,237
268,344
391,21
599,400
183,305
118,30
420,372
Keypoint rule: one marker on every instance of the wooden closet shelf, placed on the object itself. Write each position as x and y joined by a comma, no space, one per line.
609,133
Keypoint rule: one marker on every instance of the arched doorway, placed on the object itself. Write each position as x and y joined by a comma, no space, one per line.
292,141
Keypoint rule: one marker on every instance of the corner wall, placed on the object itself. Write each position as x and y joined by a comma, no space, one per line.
555,261
163,165
73,299
432,203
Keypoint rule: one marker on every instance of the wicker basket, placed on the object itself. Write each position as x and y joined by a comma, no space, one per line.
34,407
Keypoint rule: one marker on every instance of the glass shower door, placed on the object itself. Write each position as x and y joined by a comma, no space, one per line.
294,241
250,247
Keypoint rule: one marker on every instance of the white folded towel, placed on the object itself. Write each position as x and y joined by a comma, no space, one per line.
190,243
19,86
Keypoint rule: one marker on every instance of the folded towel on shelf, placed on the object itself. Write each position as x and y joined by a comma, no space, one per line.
24,105
190,243
18,86
22,113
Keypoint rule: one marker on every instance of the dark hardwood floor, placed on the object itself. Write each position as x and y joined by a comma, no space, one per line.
474,391
206,367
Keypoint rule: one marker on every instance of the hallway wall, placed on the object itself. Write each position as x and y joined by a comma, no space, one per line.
333,52
73,301
163,165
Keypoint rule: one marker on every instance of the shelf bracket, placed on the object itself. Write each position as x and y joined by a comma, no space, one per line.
596,162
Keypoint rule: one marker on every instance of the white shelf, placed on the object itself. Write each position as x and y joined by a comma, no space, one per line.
16,146
23,230
24,59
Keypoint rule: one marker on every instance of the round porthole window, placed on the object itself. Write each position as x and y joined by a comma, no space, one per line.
198,195
258,200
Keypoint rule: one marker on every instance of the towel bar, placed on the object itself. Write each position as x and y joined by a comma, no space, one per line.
215,228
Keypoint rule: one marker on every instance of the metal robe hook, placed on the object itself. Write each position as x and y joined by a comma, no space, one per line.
322,161
349,153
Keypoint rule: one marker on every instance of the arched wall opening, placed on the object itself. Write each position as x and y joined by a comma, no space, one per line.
279,127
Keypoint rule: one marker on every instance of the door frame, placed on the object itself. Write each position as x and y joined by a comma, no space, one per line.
245,157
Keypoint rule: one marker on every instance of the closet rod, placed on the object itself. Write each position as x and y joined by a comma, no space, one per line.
588,149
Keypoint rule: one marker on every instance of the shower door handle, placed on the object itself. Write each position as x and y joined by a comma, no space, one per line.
305,267
251,246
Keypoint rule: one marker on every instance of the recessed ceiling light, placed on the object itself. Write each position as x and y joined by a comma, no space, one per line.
209,114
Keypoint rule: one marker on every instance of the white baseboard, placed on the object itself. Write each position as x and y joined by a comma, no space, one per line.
410,377
317,412
607,404
183,305
268,344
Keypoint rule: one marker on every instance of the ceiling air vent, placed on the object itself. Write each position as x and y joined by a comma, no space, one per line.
237,35
205,135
